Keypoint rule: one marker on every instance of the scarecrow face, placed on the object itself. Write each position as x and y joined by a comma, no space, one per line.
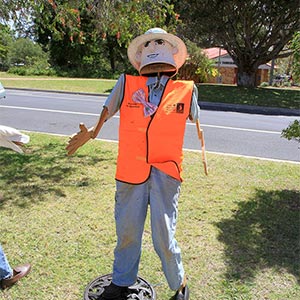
157,50
156,56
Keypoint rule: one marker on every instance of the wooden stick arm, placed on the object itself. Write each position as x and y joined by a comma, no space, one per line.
98,126
199,131
201,138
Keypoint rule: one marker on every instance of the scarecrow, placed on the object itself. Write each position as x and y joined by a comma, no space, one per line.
153,113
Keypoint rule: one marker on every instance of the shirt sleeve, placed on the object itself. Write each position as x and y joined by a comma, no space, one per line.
113,101
195,109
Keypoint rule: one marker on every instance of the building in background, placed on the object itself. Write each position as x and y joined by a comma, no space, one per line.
227,70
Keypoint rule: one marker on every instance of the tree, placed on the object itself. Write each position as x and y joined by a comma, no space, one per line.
79,30
6,40
25,52
253,32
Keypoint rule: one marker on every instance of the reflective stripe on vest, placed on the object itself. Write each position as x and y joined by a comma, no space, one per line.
152,141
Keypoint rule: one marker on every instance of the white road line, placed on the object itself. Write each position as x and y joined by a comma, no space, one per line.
241,129
246,156
49,110
91,114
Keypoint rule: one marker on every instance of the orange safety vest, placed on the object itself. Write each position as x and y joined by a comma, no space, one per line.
155,140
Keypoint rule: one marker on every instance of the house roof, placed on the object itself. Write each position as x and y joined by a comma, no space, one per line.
214,52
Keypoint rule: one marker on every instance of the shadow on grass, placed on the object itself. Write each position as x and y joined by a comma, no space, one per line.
263,233
43,170
108,91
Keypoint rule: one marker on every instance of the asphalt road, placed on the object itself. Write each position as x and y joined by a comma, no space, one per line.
225,132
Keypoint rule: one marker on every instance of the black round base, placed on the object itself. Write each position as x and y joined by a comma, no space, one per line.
141,290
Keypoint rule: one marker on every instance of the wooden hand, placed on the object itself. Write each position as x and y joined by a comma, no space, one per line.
80,138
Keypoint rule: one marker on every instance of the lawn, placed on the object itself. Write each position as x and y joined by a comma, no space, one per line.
56,83
271,97
238,227
260,96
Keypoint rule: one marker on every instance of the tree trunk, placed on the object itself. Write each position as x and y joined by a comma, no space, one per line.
112,59
272,72
246,79
111,52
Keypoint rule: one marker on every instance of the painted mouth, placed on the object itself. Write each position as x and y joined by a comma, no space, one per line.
151,56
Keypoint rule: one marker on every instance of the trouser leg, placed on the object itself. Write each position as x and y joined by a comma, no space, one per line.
130,214
5,269
164,193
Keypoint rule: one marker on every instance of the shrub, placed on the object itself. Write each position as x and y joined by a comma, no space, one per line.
292,132
32,70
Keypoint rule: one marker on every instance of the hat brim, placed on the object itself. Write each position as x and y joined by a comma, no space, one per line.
176,42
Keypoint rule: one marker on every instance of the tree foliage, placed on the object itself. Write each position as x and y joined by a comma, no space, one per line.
25,52
295,46
197,67
18,13
292,132
82,34
13,9
253,32
6,40
90,37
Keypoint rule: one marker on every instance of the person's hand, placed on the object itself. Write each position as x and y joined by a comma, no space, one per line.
78,139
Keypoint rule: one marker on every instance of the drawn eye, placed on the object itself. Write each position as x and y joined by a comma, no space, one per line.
160,42
157,42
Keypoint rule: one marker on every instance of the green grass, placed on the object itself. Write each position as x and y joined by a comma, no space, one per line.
271,97
238,228
260,96
55,83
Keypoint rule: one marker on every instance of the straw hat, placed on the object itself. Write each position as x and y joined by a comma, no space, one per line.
168,62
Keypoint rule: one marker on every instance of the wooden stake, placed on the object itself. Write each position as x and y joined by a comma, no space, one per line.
203,154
